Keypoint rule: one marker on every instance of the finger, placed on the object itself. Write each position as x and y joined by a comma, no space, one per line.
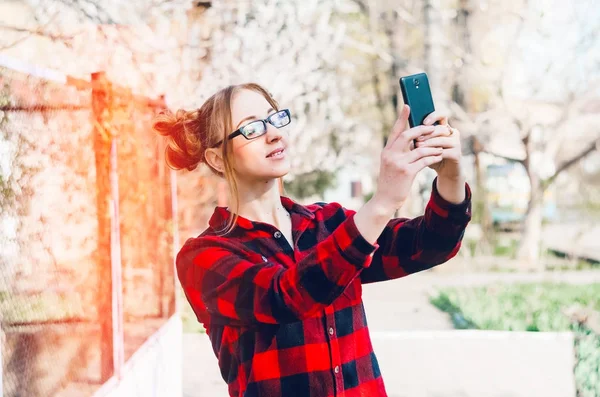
451,154
436,115
422,152
424,162
445,142
413,133
440,130
399,125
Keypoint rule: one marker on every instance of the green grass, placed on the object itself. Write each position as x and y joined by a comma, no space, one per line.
531,307
506,248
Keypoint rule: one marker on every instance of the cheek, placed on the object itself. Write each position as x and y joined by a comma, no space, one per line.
244,157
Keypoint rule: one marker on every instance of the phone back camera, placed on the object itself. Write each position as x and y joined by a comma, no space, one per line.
417,82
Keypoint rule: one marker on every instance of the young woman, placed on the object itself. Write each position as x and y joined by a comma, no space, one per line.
277,284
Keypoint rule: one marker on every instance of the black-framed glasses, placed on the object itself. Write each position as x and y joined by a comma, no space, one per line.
257,128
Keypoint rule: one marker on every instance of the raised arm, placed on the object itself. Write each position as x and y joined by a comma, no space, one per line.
408,246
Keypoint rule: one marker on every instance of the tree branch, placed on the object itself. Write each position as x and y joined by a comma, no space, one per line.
364,9
501,156
38,32
82,6
567,164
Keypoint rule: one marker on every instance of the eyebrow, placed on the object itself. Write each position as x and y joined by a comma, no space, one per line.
252,117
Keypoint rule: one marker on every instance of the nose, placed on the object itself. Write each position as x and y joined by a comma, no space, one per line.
273,134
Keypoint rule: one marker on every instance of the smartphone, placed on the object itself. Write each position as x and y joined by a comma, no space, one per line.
417,94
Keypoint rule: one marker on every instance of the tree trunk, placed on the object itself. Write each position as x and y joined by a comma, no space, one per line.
462,82
481,213
433,51
529,246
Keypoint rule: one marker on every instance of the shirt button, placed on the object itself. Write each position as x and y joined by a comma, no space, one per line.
330,330
336,369
277,234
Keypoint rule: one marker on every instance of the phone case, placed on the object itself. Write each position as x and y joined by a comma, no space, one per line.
417,94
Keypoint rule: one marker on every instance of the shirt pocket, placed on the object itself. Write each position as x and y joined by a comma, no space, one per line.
353,292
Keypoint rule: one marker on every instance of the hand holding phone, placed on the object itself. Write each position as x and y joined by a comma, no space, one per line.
417,95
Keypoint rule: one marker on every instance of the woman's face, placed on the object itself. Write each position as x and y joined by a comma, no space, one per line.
251,160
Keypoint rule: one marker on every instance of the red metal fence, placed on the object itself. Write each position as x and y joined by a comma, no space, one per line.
87,228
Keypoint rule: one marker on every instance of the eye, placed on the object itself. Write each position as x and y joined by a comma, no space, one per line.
280,119
253,129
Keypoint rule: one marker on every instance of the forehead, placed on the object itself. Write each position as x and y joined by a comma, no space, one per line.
248,103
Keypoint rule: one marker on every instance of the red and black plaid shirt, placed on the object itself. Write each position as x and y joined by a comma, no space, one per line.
289,321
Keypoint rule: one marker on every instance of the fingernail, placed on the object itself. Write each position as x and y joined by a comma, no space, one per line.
427,121
420,138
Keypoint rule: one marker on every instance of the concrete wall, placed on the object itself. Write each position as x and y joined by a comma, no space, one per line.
476,363
154,370
437,364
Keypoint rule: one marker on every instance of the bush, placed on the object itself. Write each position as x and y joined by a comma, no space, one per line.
532,307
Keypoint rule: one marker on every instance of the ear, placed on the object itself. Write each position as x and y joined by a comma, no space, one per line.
214,158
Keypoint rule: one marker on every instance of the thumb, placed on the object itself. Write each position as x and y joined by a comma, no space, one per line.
399,125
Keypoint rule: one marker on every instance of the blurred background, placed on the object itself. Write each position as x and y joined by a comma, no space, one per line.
91,217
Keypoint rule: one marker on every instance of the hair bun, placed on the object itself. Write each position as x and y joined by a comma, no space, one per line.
184,149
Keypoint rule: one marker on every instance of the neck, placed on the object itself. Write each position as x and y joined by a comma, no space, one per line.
261,202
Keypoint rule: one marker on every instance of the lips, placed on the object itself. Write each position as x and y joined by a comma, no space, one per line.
281,149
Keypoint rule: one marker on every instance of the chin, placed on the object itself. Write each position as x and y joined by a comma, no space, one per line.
265,176
278,171
275,175
265,172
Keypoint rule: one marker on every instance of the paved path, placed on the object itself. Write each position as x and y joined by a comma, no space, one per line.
201,377
392,307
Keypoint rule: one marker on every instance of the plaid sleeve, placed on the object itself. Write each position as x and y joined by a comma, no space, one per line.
235,290
412,245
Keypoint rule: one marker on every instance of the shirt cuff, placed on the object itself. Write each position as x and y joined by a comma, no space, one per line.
354,246
460,212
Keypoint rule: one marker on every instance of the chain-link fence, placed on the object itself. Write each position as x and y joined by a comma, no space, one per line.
86,230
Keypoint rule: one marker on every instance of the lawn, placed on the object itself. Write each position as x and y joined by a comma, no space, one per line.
537,308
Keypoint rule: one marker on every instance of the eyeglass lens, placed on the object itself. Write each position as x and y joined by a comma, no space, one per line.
259,127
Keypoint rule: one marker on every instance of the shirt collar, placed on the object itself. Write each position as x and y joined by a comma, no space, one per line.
220,216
